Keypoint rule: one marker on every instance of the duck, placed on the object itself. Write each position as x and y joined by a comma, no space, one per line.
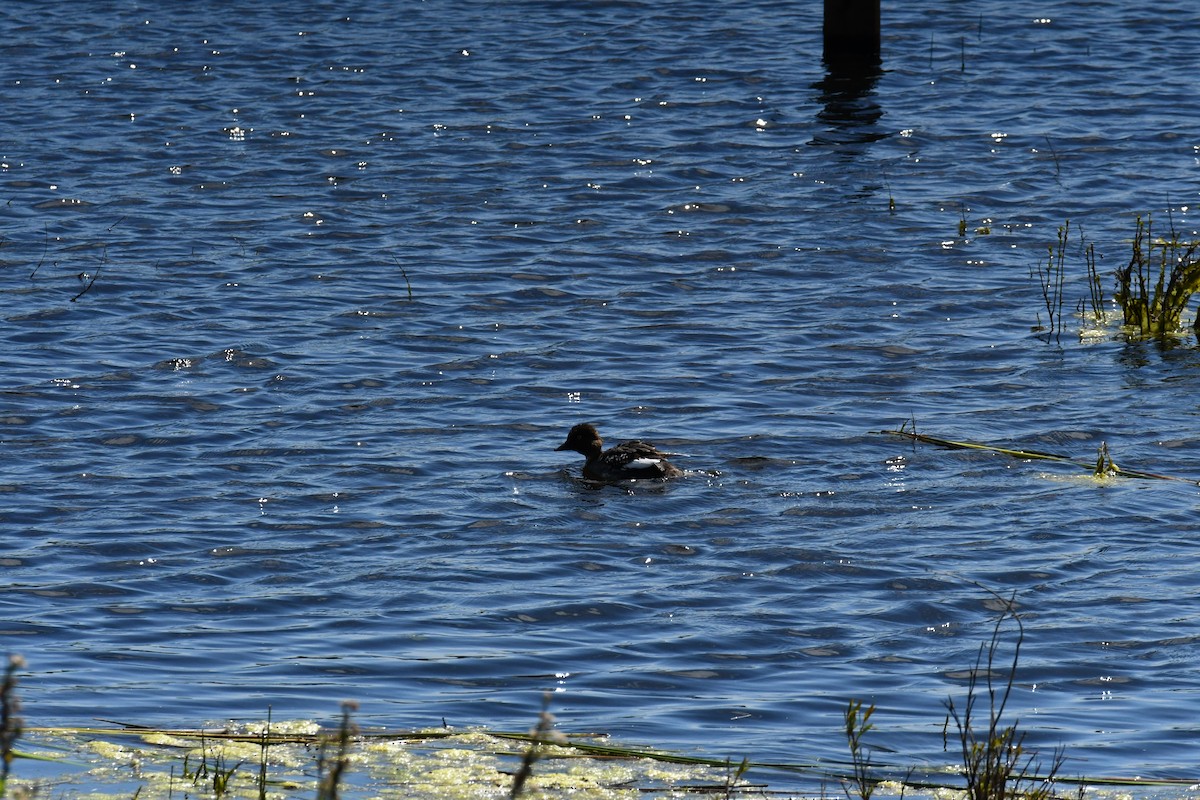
634,460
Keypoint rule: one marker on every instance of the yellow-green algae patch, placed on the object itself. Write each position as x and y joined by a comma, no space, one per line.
286,760
283,761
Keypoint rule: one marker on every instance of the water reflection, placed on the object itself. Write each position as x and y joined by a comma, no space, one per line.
849,110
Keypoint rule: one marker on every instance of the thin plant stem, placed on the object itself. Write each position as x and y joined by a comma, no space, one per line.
541,734
858,724
996,764
327,786
11,723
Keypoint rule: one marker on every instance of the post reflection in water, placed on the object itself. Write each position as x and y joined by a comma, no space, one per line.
849,109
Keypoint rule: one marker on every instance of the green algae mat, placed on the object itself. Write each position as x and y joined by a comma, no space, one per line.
296,759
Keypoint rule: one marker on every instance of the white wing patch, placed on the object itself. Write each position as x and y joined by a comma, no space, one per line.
643,463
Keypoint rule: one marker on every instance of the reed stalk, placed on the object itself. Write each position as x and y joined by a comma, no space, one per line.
11,723
331,773
264,743
733,775
1095,287
543,733
1052,277
858,724
996,763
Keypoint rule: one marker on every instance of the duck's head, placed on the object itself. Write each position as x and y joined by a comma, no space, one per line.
583,438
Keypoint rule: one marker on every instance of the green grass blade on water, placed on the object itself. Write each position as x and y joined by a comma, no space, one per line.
1103,466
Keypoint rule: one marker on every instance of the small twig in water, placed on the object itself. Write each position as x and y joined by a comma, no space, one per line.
91,279
45,250
405,274
83,276
1057,163
887,185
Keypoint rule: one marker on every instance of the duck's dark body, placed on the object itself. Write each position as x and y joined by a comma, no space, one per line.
627,461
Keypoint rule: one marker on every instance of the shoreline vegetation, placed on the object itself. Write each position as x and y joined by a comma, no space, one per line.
987,757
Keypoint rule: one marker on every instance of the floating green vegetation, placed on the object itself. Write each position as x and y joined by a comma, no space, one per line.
983,229
301,759
1102,467
283,760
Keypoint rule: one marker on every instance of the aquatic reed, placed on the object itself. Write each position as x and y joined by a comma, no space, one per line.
10,719
891,198
404,273
996,763
1057,164
1105,466
858,724
542,733
1095,287
331,773
213,770
733,775
45,250
1154,289
1052,277
264,744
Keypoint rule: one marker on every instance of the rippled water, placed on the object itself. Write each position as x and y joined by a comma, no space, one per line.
298,302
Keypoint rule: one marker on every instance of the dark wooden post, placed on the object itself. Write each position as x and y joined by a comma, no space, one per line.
852,32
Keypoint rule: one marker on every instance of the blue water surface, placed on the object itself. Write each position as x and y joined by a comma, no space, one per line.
298,301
